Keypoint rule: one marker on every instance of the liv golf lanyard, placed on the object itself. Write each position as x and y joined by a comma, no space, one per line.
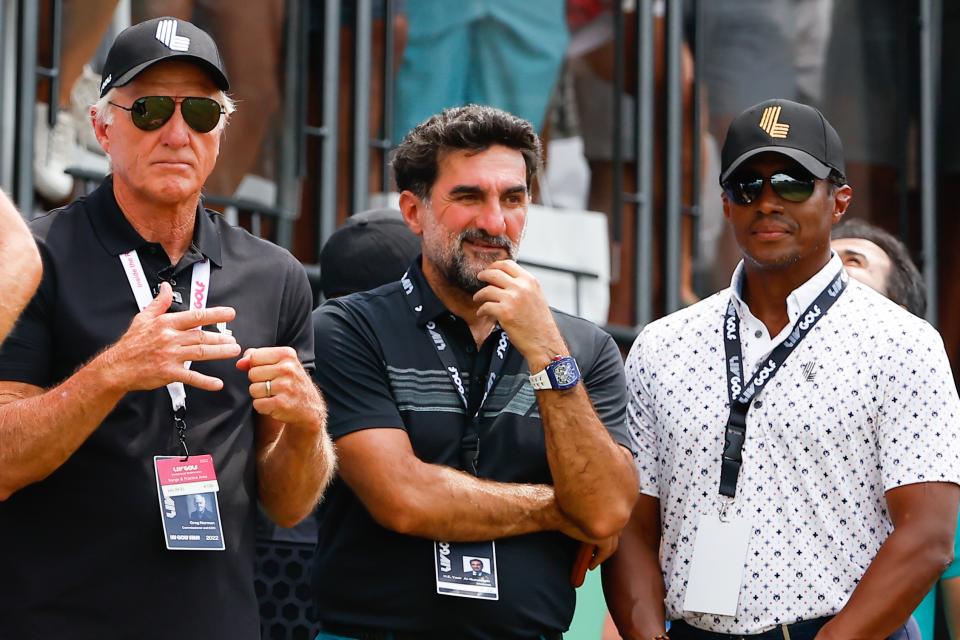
199,290
742,396
470,442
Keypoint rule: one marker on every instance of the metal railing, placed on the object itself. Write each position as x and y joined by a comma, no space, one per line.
928,21
19,28
289,170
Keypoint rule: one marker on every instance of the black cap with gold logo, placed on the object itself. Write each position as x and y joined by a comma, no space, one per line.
795,130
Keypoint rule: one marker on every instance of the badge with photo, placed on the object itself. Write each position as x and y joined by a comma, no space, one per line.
466,569
189,509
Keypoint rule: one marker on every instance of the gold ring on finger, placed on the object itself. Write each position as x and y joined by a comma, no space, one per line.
269,392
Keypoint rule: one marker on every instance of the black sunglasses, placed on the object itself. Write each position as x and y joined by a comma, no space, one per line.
795,186
152,112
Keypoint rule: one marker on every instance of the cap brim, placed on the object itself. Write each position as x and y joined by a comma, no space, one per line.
215,74
804,159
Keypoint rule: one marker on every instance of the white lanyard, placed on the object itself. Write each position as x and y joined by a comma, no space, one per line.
199,289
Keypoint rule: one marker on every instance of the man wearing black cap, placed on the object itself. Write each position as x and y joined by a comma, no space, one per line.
797,434
106,411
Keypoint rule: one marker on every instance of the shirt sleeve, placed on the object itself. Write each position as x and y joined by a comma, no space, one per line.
351,373
295,328
27,353
919,414
606,387
641,416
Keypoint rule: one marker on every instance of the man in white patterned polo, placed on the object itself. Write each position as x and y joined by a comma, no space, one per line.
797,434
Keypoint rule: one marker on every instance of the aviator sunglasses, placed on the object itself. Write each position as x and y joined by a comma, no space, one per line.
794,185
152,112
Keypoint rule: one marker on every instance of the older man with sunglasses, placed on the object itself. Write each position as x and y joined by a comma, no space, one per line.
122,395
798,434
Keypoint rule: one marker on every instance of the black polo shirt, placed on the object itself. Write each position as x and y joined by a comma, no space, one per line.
82,552
378,367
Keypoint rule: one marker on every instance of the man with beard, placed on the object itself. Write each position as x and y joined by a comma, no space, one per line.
449,448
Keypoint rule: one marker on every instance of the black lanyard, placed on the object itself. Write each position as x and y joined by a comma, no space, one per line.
470,440
741,396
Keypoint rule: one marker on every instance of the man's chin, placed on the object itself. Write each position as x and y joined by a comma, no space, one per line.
464,277
773,260
469,282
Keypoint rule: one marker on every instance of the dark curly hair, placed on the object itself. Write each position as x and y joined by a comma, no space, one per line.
905,285
474,128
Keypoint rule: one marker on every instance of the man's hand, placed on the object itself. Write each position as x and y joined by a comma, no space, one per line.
295,457
153,351
515,299
602,548
281,388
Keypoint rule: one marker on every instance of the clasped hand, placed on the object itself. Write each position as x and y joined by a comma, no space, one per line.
291,396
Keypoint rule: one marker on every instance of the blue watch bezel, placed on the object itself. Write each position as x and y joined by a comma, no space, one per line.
553,378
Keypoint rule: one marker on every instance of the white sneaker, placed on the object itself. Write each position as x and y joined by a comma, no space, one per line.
85,91
53,151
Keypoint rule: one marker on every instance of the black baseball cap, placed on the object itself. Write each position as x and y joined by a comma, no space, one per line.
795,130
146,43
371,249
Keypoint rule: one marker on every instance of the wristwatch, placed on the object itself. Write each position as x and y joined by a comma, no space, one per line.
561,374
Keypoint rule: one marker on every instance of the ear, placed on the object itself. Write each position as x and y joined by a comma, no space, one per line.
100,130
841,200
412,208
726,206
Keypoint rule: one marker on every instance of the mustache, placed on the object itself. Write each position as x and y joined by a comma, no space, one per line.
476,235
773,219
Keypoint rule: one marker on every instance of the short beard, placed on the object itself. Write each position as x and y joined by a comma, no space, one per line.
455,267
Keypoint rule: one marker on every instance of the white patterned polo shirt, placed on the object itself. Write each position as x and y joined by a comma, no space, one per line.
864,404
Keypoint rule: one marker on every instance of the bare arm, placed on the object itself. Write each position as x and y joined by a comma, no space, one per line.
409,496
594,478
20,265
295,458
294,467
632,581
950,591
40,429
911,559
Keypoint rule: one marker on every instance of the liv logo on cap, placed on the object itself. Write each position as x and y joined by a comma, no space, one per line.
788,128
769,123
140,46
167,34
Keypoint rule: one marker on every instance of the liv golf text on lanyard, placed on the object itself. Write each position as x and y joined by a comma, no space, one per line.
470,443
187,486
453,560
742,396
720,547
199,290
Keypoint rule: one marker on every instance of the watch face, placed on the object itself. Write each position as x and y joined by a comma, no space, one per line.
564,373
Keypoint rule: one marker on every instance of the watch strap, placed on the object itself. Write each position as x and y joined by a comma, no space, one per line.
540,380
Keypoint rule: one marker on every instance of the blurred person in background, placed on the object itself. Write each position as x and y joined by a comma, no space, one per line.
881,261
85,23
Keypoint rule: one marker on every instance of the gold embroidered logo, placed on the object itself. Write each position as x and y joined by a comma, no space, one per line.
768,122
